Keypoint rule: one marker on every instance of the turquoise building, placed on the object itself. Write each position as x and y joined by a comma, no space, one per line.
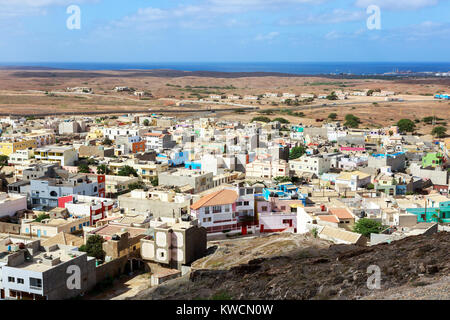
434,213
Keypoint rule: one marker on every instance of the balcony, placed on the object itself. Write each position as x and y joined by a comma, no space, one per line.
220,217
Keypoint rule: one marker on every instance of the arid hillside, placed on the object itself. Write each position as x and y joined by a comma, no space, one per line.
412,268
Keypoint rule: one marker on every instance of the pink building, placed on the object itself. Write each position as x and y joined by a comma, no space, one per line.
278,215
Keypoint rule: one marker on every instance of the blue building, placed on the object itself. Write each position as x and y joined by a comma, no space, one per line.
174,158
284,191
442,96
193,165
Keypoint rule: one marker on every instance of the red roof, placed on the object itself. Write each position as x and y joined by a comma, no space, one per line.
217,198
341,213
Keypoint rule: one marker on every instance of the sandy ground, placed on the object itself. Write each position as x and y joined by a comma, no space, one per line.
123,287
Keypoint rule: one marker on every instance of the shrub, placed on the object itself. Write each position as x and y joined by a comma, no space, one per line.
406,125
261,119
297,152
281,120
352,121
332,116
366,226
93,247
439,132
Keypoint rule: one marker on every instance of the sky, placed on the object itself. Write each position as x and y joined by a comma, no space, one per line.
225,31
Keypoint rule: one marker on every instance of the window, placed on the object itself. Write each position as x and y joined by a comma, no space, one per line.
11,279
239,203
20,280
249,191
217,209
246,203
264,208
227,208
206,210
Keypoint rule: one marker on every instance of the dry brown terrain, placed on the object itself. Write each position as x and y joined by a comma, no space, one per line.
24,92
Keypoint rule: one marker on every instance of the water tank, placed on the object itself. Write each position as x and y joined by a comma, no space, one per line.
115,237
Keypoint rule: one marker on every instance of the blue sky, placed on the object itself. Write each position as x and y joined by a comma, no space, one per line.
224,30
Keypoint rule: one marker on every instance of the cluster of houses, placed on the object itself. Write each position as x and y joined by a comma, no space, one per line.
283,97
155,189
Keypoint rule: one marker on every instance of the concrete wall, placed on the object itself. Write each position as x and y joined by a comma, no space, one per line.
157,208
11,204
110,269
9,228
436,176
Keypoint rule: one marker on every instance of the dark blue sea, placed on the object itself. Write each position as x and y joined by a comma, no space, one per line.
313,68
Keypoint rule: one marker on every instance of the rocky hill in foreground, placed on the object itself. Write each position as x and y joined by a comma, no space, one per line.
411,268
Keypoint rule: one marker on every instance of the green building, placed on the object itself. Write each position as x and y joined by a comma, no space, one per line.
432,160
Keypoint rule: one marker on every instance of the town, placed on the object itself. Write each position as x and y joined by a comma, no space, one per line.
148,194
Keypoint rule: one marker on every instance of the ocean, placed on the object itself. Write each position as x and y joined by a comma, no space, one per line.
313,68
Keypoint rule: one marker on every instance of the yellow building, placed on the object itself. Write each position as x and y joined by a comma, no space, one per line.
9,147
94,133
42,137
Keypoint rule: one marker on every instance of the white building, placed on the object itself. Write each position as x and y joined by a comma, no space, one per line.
352,180
310,164
113,132
289,95
11,203
21,157
267,169
42,273
71,127
63,155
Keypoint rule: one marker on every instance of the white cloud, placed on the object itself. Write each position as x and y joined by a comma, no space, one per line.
247,5
15,8
204,14
41,3
333,17
267,37
398,4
